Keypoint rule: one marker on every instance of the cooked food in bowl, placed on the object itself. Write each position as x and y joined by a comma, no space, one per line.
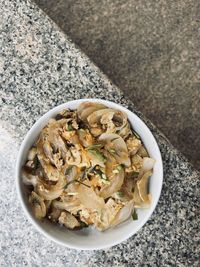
88,167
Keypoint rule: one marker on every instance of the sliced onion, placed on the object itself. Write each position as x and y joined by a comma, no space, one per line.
116,142
108,214
72,206
114,186
29,179
140,196
68,220
148,164
124,213
89,198
142,185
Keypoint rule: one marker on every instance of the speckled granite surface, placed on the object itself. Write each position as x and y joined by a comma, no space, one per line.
40,68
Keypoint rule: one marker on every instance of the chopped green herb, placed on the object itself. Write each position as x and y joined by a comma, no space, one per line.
91,169
120,194
72,193
75,181
94,146
135,174
81,130
71,182
84,174
82,224
101,174
112,151
104,176
120,167
134,215
114,139
105,181
67,171
70,128
36,163
136,135
83,183
97,154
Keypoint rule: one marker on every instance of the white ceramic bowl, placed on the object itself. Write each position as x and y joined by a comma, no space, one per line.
89,238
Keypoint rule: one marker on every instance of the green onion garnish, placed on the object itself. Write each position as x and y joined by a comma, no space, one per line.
112,151
94,146
136,135
97,154
120,194
120,167
67,171
70,128
135,174
75,181
134,215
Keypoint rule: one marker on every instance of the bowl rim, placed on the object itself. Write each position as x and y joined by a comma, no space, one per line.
18,169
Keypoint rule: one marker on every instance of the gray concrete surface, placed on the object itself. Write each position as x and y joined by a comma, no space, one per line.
151,50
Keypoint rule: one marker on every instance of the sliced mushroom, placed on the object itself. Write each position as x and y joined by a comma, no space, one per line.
51,192
125,131
47,192
110,120
47,204
48,151
94,119
96,131
87,108
85,137
46,157
51,172
29,179
65,114
32,154
54,214
38,206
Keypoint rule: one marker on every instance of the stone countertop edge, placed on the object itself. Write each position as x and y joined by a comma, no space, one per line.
36,54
